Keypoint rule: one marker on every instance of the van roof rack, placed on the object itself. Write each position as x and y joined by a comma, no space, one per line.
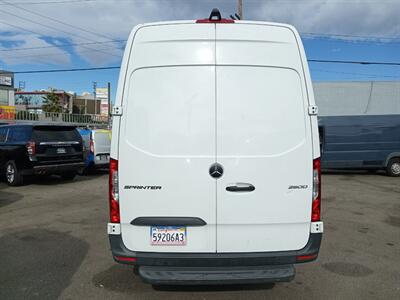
215,17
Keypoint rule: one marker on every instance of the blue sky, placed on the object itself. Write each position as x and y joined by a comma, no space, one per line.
69,34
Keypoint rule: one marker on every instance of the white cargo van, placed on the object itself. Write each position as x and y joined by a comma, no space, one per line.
215,170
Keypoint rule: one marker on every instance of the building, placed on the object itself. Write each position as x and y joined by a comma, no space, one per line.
33,101
6,88
341,98
86,104
72,103
103,95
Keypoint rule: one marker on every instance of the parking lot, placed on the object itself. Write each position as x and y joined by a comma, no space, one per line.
53,244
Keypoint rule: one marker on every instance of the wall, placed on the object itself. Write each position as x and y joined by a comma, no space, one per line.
357,98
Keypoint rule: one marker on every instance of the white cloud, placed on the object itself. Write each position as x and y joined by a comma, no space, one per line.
54,55
360,18
114,19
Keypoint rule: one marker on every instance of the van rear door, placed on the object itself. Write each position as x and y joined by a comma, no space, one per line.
263,140
167,136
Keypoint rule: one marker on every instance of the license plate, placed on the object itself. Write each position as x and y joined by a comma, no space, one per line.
168,235
61,151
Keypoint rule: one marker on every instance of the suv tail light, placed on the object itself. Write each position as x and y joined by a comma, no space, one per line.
91,145
113,192
316,203
31,148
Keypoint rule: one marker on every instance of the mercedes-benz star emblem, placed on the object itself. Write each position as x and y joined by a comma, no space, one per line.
216,170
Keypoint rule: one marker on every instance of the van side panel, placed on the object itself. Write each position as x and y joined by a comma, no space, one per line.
359,142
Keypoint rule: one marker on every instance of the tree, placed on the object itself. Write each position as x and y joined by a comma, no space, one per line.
51,103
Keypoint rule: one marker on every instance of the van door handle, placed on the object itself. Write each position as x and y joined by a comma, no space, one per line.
240,187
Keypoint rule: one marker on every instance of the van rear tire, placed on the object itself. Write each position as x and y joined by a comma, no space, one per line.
393,167
13,176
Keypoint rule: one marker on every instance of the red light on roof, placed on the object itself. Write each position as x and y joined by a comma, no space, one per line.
215,21
215,17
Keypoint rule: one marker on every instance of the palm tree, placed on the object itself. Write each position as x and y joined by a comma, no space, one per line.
51,103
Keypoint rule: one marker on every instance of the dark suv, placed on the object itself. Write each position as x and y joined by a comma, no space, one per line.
39,149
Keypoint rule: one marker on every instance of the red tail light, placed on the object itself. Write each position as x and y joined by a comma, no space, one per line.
113,192
316,203
126,259
31,148
91,145
304,258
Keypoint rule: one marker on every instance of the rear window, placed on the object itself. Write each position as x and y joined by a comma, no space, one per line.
19,134
54,134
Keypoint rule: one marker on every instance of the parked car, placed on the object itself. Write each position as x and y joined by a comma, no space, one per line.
361,143
215,169
39,149
97,144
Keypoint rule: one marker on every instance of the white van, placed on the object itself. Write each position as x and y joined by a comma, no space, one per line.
97,148
215,170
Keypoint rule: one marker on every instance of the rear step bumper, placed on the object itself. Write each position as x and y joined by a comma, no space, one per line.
219,275
123,255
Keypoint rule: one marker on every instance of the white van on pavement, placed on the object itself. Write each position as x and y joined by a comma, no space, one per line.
215,160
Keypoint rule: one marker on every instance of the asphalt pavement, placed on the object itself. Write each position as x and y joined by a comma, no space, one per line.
53,244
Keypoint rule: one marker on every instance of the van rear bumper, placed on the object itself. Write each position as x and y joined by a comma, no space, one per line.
215,268
216,275
122,255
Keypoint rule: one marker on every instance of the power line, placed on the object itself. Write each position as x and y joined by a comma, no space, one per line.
336,35
57,21
22,28
12,57
310,60
65,70
356,74
60,45
44,25
354,62
117,67
52,2
124,40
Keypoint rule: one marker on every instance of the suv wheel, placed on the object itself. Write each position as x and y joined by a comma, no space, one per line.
68,175
13,176
393,167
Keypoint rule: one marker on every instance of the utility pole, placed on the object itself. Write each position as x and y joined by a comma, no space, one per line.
109,99
240,9
21,85
94,96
